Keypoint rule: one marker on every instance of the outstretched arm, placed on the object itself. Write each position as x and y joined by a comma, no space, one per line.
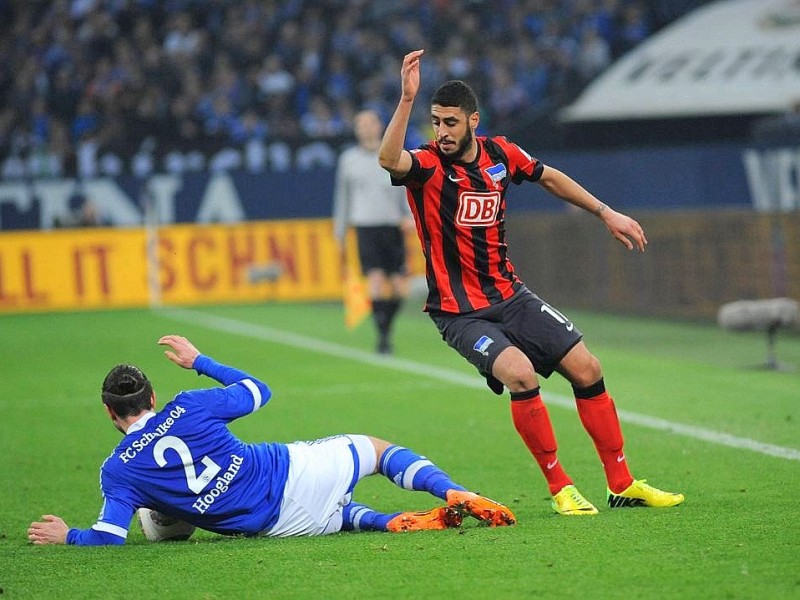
629,233
111,527
53,530
392,156
183,353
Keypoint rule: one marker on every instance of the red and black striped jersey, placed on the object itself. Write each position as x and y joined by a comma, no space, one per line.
459,211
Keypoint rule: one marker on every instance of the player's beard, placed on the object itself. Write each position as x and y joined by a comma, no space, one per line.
464,146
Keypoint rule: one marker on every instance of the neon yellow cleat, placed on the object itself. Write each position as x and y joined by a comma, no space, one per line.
438,518
485,510
641,494
569,501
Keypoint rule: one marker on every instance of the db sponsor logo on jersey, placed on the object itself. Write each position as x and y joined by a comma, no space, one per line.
476,209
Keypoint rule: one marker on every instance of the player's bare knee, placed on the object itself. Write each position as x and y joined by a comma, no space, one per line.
380,447
514,369
588,373
522,385
580,367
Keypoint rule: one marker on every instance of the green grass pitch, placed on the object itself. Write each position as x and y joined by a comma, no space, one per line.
736,536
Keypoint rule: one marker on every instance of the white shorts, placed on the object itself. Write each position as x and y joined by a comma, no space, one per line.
322,475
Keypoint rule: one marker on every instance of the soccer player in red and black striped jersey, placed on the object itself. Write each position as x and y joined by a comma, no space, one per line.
456,188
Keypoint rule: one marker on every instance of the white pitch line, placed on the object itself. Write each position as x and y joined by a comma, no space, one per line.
303,342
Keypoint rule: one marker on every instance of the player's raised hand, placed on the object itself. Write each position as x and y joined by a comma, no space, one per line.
183,352
50,530
409,74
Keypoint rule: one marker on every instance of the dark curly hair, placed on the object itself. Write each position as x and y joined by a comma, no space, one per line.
456,93
127,391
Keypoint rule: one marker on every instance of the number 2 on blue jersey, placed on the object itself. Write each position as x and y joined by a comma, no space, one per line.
196,484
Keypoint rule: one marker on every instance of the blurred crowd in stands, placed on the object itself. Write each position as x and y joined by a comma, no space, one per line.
109,87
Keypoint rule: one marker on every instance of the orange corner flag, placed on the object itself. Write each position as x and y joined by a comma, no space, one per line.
357,305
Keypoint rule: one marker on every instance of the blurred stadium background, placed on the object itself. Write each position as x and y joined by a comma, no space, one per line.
182,152
198,139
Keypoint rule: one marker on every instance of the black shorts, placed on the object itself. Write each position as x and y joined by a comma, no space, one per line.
381,248
526,321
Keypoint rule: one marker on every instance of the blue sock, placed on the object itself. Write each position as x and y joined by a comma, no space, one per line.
358,517
411,471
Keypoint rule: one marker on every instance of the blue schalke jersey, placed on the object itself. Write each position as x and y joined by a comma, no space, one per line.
183,461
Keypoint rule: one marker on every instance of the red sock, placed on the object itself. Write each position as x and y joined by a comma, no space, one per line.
599,417
533,425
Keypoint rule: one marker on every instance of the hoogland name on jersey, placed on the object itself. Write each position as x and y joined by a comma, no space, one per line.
221,484
146,438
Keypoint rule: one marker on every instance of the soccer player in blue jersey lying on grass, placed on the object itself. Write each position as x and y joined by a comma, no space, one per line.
184,462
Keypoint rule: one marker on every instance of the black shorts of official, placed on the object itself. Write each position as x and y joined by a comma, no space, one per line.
526,321
381,248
